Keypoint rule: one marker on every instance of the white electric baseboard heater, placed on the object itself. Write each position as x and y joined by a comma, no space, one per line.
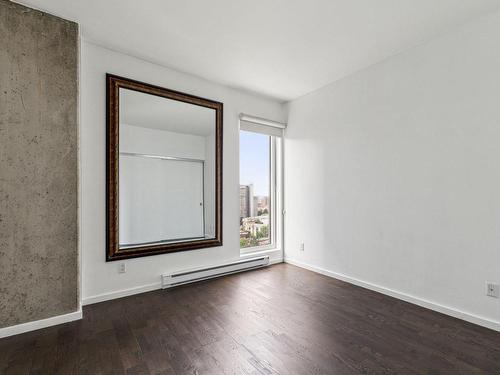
199,274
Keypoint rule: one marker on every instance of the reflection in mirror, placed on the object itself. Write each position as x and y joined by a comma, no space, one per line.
167,158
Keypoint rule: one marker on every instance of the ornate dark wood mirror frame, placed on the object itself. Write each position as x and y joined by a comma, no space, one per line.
113,251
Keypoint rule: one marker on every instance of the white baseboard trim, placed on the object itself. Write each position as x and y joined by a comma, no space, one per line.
472,318
120,293
136,290
39,324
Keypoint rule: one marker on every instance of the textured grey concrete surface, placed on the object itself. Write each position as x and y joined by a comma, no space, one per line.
38,165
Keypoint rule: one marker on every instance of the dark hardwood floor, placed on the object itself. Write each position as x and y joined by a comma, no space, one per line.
278,320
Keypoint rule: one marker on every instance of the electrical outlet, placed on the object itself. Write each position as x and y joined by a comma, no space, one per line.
122,268
301,246
492,290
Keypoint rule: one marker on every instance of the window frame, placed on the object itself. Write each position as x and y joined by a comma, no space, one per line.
275,196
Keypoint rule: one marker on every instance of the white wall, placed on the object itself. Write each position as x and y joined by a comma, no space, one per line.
393,174
99,277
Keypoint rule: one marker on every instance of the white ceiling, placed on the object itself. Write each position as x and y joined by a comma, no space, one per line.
279,48
154,112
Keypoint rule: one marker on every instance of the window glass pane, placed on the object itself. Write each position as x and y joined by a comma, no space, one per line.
255,189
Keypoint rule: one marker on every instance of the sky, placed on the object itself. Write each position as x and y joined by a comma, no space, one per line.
254,161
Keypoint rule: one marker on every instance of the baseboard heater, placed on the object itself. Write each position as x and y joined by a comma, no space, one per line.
199,274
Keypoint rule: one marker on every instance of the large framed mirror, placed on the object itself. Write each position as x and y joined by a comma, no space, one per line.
164,170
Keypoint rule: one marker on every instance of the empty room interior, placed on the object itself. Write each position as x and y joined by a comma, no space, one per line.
250,187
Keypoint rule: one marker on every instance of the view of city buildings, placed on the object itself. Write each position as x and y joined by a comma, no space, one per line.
255,187
254,218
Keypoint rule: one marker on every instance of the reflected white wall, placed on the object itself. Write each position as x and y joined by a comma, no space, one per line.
160,199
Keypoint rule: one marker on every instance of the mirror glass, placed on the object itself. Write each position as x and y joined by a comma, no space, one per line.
167,158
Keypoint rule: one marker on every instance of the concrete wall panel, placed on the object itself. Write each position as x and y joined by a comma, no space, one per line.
38,165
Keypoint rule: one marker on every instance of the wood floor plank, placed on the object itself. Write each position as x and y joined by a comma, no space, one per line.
278,320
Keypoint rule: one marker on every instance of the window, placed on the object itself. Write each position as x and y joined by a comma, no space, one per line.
259,193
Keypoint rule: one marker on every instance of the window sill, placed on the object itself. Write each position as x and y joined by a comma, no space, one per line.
256,251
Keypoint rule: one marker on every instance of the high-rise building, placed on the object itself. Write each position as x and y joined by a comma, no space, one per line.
261,202
246,201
